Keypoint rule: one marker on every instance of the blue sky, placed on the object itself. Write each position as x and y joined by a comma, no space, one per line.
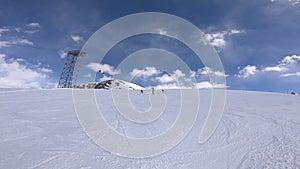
258,41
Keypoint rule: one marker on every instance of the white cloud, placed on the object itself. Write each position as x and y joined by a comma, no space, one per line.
15,42
290,59
199,85
274,69
290,2
2,30
15,74
147,72
210,71
104,68
208,85
162,31
17,29
295,2
21,42
4,44
288,66
220,74
216,39
45,70
170,86
63,54
204,85
177,79
178,74
290,74
247,71
192,74
219,86
219,39
77,38
181,78
234,31
20,60
165,79
31,31
34,25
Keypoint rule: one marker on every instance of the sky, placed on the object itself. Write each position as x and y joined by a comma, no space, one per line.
258,42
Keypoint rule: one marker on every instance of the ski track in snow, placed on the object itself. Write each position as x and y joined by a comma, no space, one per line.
39,129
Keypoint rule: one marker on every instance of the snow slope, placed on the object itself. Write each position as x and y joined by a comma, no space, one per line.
112,83
39,129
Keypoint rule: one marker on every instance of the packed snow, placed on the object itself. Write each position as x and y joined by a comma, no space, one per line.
40,129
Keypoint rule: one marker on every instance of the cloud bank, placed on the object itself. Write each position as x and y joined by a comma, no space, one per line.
16,73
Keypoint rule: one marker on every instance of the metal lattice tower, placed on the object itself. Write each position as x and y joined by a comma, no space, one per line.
68,77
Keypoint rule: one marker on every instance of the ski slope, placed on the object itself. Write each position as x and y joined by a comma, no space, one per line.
40,129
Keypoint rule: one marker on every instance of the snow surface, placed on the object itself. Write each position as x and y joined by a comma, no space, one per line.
132,85
40,129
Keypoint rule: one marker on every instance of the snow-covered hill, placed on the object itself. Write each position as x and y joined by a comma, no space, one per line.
111,84
40,129
119,84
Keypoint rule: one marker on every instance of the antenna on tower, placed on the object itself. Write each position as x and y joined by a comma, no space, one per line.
68,77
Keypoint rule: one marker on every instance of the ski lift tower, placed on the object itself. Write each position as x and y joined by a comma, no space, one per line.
67,77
